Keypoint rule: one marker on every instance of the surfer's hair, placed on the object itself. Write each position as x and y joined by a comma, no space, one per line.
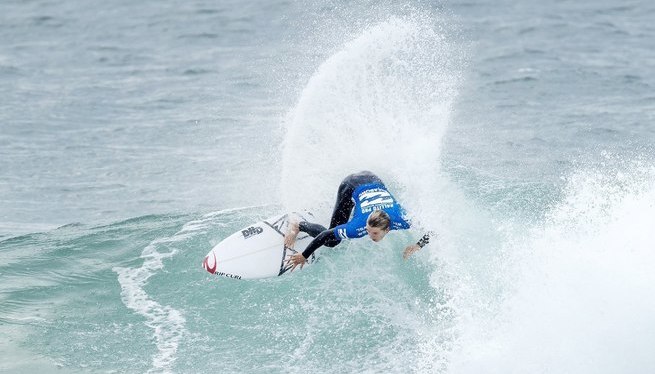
379,219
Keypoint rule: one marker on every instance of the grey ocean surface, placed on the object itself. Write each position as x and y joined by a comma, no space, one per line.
134,136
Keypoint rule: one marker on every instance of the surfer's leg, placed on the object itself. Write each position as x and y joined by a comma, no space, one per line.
344,205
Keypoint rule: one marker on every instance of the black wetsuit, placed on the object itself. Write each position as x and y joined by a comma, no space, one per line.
365,192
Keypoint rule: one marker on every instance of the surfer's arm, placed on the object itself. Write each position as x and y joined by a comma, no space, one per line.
325,238
292,233
425,239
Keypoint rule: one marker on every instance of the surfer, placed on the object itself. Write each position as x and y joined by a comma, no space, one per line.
374,210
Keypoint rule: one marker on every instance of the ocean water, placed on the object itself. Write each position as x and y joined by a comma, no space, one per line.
134,136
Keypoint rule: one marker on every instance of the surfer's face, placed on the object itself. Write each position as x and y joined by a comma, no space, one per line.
376,233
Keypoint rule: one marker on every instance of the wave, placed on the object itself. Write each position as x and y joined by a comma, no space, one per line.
573,294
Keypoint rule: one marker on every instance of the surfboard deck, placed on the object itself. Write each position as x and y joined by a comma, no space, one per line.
257,251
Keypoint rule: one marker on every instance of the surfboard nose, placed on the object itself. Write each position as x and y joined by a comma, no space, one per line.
211,268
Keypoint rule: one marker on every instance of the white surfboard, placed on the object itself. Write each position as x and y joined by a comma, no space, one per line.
257,251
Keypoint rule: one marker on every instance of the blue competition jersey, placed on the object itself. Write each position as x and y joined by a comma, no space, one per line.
368,198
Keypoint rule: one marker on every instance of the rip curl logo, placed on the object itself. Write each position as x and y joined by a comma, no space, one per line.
210,268
251,231
228,275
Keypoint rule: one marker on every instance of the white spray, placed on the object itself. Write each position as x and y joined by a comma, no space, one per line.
381,104
579,296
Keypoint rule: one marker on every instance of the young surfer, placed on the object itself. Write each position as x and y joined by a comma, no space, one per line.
374,210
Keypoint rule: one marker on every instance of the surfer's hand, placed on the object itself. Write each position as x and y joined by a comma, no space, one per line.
295,260
410,250
292,233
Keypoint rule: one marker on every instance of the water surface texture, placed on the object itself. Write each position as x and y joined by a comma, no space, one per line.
134,136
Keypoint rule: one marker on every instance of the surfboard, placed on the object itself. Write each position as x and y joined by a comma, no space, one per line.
257,251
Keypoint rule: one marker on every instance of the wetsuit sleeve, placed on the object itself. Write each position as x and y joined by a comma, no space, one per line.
351,230
325,238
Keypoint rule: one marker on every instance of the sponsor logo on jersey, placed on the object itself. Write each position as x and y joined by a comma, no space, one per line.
375,199
251,231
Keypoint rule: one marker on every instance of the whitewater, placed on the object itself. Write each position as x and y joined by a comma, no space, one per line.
137,136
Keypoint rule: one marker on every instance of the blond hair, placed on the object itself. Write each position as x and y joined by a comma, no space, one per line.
379,219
